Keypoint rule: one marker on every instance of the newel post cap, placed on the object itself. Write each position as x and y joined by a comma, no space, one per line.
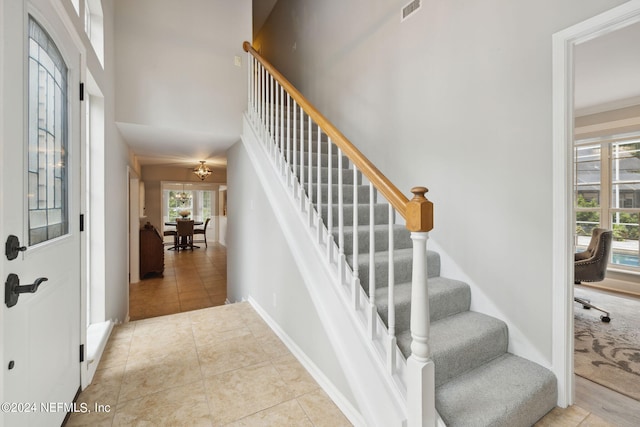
419,211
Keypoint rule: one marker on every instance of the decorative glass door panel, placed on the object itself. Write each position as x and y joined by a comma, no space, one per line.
48,138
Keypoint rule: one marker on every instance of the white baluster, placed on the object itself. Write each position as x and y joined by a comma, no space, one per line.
329,203
294,155
372,264
283,159
276,124
310,176
420,368
270,108
262,96
302,202
356,268
341,256
391,312
319,183
249,85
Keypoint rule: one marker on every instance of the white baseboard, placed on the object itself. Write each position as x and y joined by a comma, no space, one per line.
352,414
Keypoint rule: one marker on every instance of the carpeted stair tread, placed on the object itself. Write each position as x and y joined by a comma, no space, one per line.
509,391
401,237
446,297
464,341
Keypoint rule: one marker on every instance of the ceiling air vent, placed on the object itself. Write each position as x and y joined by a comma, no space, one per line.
410,8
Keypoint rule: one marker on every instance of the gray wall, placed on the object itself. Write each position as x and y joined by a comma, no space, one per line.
261,266
457,98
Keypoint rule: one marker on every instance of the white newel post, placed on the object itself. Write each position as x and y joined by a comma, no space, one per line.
421,410
420,368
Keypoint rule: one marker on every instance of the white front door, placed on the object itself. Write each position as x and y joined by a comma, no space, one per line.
40,206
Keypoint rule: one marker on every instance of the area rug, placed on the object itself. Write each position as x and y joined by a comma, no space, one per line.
608,353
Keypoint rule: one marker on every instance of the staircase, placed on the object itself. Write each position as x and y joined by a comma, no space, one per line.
477,381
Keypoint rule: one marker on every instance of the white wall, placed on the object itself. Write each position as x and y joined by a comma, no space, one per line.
456,98
176,70
260,265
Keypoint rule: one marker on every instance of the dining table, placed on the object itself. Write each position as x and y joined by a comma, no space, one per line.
183,239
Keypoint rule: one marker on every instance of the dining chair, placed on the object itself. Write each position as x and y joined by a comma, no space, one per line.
184,229
202,231
174,234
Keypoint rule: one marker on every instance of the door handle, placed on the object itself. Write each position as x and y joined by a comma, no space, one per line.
12,288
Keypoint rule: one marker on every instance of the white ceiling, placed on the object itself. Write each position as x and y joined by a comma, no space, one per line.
607,71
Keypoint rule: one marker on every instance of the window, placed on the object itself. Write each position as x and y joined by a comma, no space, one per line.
94,27
47,143
195,204
608,195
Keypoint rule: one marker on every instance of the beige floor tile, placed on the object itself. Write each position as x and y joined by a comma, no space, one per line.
178,406
115,353
272,345
151,346
222,319
231,354
123,331
104,388
237,394
294,375
207,335
92,419
285,414
321,410
147,376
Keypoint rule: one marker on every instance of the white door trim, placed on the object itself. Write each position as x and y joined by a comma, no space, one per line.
2,202
564,43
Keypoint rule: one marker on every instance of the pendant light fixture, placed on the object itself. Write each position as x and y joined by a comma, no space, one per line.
202,171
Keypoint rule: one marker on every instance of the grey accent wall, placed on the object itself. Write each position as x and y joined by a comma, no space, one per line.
457,98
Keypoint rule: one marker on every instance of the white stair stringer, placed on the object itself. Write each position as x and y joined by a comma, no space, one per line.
380,395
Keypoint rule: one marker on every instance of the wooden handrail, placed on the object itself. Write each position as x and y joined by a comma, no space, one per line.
417,212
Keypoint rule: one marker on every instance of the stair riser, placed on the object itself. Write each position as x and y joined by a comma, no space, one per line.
347,196
446,298
402,269
485,346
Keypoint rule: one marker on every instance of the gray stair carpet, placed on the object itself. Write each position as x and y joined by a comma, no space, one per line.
478,383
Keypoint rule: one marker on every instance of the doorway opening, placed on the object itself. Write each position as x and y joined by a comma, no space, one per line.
567,95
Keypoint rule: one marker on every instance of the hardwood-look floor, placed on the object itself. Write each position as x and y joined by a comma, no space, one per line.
193,279
198,279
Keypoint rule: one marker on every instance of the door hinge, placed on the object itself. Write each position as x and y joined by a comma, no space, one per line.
81,222
81,91
81,352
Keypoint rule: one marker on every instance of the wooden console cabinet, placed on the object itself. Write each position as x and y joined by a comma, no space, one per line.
151,251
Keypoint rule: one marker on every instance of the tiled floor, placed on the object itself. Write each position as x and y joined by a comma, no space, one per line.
192,280
218,366
212,367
